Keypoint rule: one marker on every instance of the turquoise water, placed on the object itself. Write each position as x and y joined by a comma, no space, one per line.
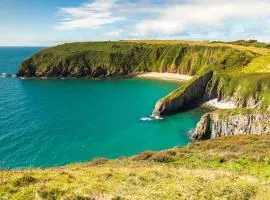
55,122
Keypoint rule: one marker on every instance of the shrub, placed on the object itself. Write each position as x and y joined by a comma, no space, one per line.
171,152
99,161
52,194
24,181
146,155
162,157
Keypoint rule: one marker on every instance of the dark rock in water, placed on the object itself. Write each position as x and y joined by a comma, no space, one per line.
203,129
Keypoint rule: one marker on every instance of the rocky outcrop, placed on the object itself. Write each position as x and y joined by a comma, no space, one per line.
203,129
213,125
184,97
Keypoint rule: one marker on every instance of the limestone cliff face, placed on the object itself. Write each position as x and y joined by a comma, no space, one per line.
183,97
213,125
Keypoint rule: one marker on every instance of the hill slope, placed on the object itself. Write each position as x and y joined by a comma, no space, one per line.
225,168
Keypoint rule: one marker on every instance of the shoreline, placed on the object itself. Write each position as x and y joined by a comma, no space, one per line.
164,76
145,75
215,104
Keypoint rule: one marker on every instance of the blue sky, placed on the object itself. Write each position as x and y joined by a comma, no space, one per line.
50,22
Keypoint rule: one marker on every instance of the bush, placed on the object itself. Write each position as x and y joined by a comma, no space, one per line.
163,157
98,161
146,155
49,194
24,181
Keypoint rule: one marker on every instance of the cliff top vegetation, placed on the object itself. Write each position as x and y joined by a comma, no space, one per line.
226,168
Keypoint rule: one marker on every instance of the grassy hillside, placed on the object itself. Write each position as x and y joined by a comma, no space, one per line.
226,168
119,58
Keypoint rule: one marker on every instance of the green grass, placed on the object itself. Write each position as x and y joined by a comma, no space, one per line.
80,59
225,168
252,43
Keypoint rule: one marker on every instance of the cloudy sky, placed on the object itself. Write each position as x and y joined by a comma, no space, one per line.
50,22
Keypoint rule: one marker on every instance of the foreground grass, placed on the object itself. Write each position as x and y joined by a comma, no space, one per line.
225,168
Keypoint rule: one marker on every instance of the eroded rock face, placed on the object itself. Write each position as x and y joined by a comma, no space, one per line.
203,129
183,99
212,126
256,124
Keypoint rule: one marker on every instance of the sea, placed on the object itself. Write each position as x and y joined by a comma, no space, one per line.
54,122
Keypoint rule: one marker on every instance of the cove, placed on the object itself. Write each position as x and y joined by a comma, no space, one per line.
55,122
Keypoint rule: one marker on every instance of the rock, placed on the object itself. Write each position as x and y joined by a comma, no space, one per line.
213,126
183,97
203,129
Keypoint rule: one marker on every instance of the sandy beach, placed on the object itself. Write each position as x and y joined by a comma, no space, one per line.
165,76
219,104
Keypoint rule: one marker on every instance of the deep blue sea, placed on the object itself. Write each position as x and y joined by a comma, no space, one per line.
56,122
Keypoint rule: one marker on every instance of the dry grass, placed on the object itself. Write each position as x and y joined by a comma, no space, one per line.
224,168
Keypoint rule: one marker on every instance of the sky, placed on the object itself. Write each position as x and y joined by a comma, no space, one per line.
51,22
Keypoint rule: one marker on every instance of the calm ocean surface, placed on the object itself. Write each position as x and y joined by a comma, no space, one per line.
56,122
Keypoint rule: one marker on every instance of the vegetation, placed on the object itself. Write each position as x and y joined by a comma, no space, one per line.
223,113
226,168
253,43
120,58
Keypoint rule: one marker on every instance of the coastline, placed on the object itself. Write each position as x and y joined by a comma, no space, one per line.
165,76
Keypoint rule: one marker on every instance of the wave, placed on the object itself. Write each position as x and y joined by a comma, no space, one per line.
151,118
7,75
3,75
190,132
145,119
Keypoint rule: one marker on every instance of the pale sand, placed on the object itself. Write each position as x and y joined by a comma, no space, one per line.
219,104
165,76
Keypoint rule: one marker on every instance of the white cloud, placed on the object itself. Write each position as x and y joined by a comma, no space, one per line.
88,15
147,19
116,33
175,18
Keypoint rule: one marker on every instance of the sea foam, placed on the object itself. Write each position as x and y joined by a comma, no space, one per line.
145,119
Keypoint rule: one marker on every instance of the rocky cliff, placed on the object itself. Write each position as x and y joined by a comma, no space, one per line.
226,123
184,97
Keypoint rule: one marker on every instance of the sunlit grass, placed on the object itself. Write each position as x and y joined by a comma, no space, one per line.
226,168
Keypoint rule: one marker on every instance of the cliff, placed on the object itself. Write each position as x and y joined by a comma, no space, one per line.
110,59
185,96
232,122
